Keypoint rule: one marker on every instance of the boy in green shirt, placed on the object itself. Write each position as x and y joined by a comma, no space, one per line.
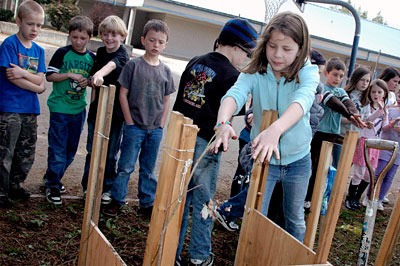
69,70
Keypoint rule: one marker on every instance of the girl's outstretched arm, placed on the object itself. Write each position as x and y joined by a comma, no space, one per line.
223,128
266,143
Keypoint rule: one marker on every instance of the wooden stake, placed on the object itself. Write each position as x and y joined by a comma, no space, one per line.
254,195
163,236
390,238
97,159
318,193
335,202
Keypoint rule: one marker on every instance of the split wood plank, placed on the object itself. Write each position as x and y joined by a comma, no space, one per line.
318,193
163,236
390,238
335,202
101,251
103,121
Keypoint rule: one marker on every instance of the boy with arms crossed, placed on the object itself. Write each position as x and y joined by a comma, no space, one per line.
22,68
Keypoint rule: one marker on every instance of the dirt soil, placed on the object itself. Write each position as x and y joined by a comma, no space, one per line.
35,233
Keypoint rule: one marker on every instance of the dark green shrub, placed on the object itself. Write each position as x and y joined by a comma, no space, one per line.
6,14
60,14
98,12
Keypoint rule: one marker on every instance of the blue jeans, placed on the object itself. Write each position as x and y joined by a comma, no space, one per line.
136,143
294,178
114,142
64,134
204,182
235,204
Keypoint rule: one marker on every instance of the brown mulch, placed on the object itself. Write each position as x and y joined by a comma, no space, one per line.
35,233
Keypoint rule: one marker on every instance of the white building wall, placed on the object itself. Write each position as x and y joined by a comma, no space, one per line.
190,38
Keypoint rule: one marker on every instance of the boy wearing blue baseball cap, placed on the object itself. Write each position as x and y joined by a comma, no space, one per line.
203,83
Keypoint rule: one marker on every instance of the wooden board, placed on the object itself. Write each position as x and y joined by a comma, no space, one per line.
101,252
279,248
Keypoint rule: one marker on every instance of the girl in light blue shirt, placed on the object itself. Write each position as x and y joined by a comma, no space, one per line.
279,77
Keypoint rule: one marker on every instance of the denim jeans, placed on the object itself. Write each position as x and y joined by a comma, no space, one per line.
136,143
18,135
64,133
114,143
235,204
294,178
204,184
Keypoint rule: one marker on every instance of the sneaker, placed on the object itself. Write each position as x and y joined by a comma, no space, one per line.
106,198
229,225
385,200
42,187
63,190
365,201
307,206
180,262
356,204
112,209
380,206
349,204
207,262
146,212
19,194
53,196
5,202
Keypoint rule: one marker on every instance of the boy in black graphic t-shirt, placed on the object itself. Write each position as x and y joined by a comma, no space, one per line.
204,82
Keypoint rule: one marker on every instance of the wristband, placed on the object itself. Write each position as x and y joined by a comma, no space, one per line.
223,123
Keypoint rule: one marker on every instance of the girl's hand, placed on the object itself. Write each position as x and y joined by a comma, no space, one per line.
223,133
369,124
266,144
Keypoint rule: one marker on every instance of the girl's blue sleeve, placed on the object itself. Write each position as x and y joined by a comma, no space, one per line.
308,82
240,90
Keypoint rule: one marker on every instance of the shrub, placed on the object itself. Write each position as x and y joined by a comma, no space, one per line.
6,14
60,14
97,13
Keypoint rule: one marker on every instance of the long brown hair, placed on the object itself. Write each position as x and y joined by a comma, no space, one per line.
381,84
357,75
291,25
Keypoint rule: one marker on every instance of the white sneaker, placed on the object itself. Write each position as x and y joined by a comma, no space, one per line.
106,198
380,206
385,200
365,201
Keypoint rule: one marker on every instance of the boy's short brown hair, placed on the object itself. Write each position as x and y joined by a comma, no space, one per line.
335,63
156,25
81,23
113,24
29,6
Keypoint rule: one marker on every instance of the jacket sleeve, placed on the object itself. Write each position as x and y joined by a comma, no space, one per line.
335,104
351,107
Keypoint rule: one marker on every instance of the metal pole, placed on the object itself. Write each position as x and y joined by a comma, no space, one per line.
357,31
131,24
